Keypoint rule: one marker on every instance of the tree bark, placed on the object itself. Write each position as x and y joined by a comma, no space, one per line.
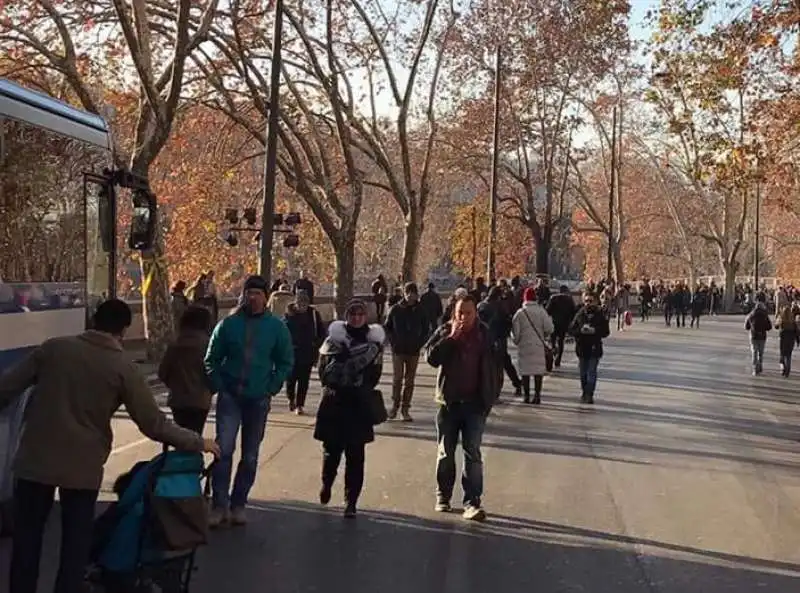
616,259
345,258
414,227
156,309
729,271
542,245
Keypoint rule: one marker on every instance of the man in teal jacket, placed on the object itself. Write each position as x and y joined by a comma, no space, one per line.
248,359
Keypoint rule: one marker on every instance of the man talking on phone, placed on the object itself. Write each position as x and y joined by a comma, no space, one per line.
466,381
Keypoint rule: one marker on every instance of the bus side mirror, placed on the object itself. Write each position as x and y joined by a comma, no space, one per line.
143,223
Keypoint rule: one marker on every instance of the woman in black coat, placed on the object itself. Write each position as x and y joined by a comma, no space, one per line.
307,331
351,360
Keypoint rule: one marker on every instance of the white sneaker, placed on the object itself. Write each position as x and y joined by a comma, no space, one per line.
238,517
473,513
218,518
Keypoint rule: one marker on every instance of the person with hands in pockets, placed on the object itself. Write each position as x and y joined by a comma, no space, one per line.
590,327
466,390
249,357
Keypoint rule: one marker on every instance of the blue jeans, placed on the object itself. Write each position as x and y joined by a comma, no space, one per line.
757,350
588,371
468,420
251,415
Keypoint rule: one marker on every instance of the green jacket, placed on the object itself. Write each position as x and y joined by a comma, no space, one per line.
249,356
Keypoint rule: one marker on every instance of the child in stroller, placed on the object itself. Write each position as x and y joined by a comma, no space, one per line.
146,541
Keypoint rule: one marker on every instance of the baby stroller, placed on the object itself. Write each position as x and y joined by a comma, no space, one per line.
147,540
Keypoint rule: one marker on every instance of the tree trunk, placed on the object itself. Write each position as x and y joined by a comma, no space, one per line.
729,271
542,245
616,260
345,269
156,311
413,234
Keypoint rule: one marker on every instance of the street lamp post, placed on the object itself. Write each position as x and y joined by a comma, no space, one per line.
611,194
271,158
756,254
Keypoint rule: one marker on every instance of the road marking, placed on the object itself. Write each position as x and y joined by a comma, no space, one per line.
130,446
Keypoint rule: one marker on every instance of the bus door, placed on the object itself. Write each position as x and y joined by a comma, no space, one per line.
101,241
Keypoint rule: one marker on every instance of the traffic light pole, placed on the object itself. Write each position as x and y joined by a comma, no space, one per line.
271,159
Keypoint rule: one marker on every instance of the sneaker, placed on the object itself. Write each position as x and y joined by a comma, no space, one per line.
218,518
299,411
406,416
473,513
325,494
291,407
442,506
238,517
393,412
350,511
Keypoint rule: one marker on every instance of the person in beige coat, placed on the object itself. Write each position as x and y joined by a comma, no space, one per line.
78,384
530,329
280,300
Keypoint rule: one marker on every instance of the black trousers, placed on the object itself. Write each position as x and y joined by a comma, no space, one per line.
353,467
680,317
32,504
557,342
297,385
668,315
511,371
191,418
526,385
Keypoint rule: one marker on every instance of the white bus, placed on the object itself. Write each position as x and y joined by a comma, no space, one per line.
58,220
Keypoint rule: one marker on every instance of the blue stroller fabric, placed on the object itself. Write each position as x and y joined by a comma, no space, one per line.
131,531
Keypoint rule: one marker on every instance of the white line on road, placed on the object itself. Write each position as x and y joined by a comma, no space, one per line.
129,446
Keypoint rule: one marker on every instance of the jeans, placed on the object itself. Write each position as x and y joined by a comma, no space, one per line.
468,420
404,371
587,367
297,385
353,468
251,415
191,418
757,350
32,504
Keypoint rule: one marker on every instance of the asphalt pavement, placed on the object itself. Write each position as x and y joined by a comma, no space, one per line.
683,477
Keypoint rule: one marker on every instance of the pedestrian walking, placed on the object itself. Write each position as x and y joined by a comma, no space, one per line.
407,330
178,302
622,305
379,291
590,328
789,336
306,285
308,332
561,308
492,311
431,303
183,372
461,351
79,383
351,359
279,300
698,306
758,324
249,357
531,328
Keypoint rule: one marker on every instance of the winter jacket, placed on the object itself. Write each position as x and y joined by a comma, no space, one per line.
349,369
562,309
758,323
183,372
407,327
249,356
431,302
589,327
308,333
441,352
531,346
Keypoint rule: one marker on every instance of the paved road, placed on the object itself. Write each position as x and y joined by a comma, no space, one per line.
683,478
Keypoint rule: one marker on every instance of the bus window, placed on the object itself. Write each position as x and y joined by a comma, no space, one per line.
100,236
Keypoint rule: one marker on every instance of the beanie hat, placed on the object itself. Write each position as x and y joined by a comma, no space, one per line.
356,304
256,283
529,294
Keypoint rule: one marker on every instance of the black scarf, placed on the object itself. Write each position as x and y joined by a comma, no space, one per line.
357,334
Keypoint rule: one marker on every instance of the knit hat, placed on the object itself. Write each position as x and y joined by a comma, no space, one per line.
355,304
256,283
529,294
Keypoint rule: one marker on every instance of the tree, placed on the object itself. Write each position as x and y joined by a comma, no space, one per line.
706,86
158,38
554,53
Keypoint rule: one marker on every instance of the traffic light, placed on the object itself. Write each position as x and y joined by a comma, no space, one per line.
277,219
232,215
250,216
291,240
231,239
292,219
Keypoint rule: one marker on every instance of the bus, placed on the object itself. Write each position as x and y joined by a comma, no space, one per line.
58,229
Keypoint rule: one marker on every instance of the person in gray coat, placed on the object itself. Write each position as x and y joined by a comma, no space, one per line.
530,329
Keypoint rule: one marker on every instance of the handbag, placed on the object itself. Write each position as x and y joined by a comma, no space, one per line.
377,408
548,351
